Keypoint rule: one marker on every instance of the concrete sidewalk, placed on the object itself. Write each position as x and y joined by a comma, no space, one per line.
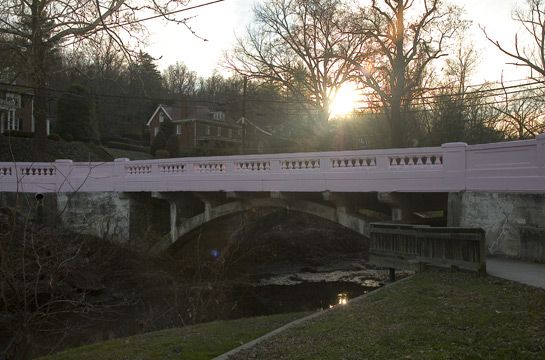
522,272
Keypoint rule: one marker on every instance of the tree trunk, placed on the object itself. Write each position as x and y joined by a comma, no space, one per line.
397,121
37,66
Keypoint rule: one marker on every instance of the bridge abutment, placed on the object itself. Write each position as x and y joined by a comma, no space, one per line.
514,222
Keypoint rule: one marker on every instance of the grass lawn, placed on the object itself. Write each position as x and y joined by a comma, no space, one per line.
202,341
434,315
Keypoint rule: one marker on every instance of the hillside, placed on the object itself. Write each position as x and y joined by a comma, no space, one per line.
20,149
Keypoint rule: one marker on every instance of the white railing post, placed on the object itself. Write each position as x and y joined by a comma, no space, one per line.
155,168
454,165
325,163
63,168
275,165
540,148
230,167
119,174
382,162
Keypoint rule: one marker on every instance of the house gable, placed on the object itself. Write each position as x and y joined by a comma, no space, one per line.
159,108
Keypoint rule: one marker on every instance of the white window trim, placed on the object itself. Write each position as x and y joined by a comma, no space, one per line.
208,130
155,131
161,117
178,129
12,122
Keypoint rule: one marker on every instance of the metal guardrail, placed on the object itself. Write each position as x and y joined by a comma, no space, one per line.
402,246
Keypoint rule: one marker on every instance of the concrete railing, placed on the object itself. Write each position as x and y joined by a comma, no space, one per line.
406,246
517,166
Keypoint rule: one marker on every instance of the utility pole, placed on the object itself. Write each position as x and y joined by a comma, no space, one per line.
244,114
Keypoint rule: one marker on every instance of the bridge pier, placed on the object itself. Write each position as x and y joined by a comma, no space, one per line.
210,201
182,206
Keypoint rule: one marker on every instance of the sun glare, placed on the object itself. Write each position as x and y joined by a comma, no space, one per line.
345,101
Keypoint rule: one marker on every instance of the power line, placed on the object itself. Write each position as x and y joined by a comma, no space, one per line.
460,106
493,92
113,25
439,98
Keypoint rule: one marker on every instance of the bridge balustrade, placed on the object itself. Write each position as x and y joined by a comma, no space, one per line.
517,166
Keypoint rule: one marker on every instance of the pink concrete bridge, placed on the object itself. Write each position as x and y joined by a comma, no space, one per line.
499,187
517,166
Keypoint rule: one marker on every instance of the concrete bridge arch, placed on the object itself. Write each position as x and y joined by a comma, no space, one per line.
337,214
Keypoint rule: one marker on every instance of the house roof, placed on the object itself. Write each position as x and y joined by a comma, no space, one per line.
263,131
160,107
177,113
17,89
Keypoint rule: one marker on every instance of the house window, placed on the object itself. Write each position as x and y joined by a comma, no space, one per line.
13,123
161,117
219,131
155,131
178,129
14,99
239,132
207,130
230,133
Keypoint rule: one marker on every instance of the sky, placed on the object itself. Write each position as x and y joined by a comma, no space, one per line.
219,23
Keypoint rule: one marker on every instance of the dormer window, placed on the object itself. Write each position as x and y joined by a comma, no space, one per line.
218,115
14,100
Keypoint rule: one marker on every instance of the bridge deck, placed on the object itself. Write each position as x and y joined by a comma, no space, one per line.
517,166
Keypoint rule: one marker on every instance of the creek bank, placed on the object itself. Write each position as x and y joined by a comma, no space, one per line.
275,262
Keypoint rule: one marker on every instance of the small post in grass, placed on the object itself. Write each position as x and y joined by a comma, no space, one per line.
392,274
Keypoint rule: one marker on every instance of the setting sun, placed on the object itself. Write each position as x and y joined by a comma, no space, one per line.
345,101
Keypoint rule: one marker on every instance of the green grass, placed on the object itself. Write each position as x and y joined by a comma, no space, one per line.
434,315
202,341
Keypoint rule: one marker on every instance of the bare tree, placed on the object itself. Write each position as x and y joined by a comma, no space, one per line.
179,80
405,37
43,26
301,45
460,67
521,115
532,55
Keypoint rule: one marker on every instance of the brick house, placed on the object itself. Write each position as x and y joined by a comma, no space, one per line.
198,129
17,109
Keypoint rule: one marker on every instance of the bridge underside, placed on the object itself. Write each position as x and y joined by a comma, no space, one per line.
353,211
513,222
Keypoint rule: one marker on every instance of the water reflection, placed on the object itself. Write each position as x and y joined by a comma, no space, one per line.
342,298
